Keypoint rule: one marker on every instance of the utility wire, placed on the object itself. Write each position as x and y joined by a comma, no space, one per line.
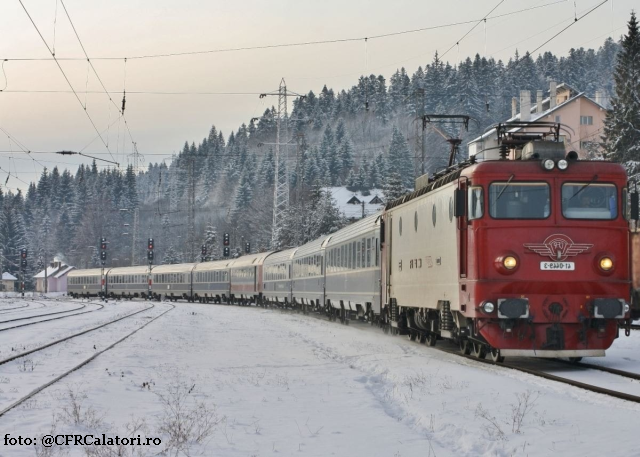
65,77
472,28
577,19
305,43
121,111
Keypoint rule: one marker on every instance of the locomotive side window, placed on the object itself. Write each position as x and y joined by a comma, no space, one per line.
519,200
588,200
476,202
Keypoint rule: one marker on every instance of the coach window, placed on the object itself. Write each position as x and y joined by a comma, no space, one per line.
589,200
400,227
377,252
476,202
519,200
433,214
368,252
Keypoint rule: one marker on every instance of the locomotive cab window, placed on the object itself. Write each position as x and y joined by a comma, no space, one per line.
589,200
519,200
476,202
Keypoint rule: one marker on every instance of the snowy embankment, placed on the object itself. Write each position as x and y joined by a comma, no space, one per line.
230,381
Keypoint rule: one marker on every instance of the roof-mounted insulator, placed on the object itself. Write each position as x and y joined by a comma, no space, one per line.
124,101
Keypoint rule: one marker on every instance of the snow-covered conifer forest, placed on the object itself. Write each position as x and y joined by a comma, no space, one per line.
364,137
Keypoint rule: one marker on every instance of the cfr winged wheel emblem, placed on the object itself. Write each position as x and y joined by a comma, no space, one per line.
558,247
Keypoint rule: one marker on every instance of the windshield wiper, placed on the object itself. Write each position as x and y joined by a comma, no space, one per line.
505,187
595,177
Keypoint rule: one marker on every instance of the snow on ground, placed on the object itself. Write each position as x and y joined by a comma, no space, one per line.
264,382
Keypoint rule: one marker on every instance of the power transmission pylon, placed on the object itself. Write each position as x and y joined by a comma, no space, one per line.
191,241
137,157
281,180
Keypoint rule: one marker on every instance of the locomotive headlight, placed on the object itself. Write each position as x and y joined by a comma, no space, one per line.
488,307
548,164
606,263
510,262
627,308
562,164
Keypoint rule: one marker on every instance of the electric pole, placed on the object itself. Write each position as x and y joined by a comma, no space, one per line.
281,179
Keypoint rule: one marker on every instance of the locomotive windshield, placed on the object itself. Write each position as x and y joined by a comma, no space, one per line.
589,201
519,200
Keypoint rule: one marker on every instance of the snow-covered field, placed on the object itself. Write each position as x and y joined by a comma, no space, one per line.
219,380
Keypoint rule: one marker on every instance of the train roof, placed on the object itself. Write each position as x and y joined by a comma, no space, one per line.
88,272
351,231
214,265
281,256
175,268
250,260
129,270
312,247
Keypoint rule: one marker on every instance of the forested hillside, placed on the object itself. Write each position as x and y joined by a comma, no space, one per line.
363,137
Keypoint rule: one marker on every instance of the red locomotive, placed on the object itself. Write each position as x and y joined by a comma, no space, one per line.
523,253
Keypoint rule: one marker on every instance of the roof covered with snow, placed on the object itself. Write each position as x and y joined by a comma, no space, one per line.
56,272
8,277
537,116
349,202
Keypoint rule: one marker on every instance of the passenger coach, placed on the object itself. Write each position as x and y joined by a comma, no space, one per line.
172,282
352,278
128,282
85,283
211,281
277,277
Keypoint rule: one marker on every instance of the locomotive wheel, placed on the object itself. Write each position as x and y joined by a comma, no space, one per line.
411,336
575,359
423,338
495,355
465,346
431,339
479,350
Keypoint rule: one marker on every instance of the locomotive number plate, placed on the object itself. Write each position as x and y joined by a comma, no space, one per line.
569,266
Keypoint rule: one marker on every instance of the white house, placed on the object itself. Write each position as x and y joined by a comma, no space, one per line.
9,282
56,277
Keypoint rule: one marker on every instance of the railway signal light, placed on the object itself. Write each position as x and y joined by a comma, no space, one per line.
226,252
103,255
151,244
204,250
225,239
247,247
150,256
23,258
103,244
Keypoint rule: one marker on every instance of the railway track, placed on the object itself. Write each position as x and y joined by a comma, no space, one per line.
81,364
43,315
539,373
49,320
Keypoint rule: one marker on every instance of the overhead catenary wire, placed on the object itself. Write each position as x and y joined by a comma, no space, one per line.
457,43
300,43
121,110
65,75
577,19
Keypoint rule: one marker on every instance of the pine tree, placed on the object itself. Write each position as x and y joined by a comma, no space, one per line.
346,157
622,124
393,187
399,158
171,256
211,242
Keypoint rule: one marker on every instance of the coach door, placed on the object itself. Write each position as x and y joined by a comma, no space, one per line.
462,225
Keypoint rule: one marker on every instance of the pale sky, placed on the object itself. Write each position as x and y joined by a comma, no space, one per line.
160,124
